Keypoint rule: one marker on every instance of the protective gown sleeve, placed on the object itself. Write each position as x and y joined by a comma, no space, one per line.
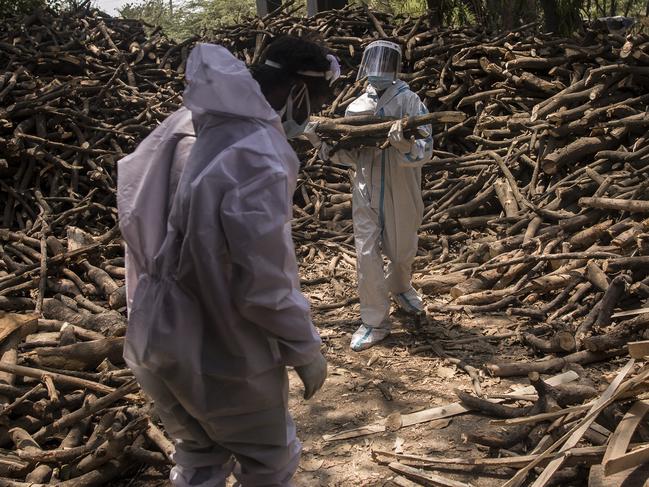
265,284
421,150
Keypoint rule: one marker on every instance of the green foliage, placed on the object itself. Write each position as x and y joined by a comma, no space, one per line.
182,19
9,8
12,8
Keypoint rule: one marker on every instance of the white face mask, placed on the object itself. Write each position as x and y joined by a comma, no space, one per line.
291,128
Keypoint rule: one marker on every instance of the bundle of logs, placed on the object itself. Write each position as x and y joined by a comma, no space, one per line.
535,204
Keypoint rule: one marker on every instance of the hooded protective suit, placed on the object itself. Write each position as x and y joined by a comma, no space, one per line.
215,310
387,206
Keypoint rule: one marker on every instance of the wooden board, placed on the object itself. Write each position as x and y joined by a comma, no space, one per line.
621,437
439,412
14,328
639,349
424,477
628,460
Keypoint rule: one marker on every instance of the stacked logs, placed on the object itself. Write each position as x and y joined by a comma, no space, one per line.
77,93
536,197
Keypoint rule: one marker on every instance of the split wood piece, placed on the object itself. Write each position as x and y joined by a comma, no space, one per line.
513,369
537,418
426,478
629,460
639,350
616,458
572,437
14,328
577,456
82,355
632,206
441,412
85,411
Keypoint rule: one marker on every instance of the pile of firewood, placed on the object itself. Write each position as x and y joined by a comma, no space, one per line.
536,199
535,206
77,93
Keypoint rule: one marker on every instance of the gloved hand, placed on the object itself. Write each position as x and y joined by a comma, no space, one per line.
310,133
398,140
313,375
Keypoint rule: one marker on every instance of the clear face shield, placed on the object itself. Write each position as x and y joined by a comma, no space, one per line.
381,59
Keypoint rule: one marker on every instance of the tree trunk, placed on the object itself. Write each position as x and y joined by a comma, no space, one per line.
435,12
550,14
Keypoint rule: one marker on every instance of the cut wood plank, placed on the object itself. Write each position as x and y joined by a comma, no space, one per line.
14,328
639,349
631,312
425,478
439,412
577,456
537,418
627,461
619,442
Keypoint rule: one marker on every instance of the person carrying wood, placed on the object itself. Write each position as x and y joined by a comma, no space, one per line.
387,206
215,310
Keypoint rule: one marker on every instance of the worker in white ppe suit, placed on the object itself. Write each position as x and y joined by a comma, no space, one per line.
387,206
215,310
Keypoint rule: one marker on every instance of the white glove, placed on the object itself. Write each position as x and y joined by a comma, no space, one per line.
313,375
397,139
310,133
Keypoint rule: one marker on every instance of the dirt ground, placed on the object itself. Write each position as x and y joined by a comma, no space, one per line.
399,375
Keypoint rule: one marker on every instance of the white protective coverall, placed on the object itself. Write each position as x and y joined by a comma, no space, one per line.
387,206
215,310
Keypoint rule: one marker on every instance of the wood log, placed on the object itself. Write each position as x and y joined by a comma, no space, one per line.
82,355
512,369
